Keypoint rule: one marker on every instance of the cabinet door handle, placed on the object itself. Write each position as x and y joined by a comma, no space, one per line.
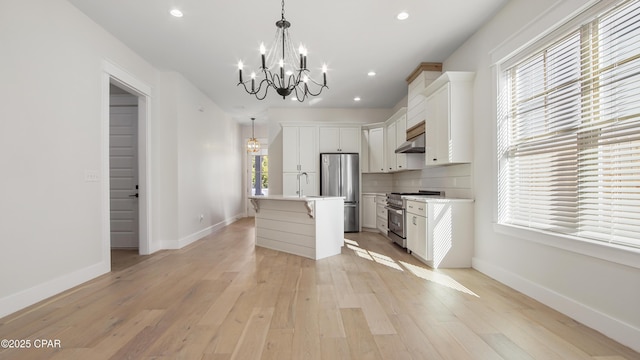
414,221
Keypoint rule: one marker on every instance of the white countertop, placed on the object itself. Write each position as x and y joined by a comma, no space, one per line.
296,198
426,199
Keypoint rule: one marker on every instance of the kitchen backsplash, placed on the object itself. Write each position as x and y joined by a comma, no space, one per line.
454,180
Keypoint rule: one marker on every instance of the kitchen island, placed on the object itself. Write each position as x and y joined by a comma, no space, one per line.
312,226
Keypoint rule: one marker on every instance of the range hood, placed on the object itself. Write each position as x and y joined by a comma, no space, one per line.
413,145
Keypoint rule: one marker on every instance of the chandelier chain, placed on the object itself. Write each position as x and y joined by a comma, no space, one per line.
282,10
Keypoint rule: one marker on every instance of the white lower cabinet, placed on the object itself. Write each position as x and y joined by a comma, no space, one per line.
440,232
381,214
369,211
417,231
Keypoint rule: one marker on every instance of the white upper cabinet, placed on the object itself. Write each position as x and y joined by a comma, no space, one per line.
364,152
396,135
421,77
376,150
391,148
340,139
300,148
448,110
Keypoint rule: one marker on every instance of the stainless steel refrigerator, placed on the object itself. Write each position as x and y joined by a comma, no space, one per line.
340,176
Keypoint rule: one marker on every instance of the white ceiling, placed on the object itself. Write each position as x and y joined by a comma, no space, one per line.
352,36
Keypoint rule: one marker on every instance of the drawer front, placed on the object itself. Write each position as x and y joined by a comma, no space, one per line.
381,224
381,212
417,208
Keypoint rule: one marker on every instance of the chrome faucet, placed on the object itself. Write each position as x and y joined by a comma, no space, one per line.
306,176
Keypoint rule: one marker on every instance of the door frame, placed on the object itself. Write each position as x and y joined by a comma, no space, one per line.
118,76
264,150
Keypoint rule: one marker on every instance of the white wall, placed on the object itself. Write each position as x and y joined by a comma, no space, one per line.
51,219
209,165
601,293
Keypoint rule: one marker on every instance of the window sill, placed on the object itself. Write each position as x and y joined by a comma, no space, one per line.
603,251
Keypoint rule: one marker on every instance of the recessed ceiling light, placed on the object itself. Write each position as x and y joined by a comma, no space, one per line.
175,12
371,73
356,98
403,15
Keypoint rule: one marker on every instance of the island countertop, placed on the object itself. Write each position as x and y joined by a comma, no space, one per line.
295,198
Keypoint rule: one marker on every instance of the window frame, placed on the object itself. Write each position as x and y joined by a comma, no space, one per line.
512,54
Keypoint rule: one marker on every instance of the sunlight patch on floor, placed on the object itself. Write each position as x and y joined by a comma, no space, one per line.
437,278
421,272
373,256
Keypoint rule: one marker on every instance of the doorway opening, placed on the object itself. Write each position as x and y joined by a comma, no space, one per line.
257,176
123,177
125,188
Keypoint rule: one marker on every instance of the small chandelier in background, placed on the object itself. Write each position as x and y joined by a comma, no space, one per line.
292,75
253,145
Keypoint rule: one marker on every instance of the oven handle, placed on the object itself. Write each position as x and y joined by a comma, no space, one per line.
397,211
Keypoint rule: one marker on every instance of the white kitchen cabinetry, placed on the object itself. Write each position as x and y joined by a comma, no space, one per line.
440,231
300,155
422,76
376,150
308,184
300,149
381,214
391,163
340,139
364,151
396,135
417,229
369,211
448,119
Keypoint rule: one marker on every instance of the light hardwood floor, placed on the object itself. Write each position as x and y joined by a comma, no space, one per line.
221,298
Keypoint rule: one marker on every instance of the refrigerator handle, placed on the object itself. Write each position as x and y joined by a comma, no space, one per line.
340,183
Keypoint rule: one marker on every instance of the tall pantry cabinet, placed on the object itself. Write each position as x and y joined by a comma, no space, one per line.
299,155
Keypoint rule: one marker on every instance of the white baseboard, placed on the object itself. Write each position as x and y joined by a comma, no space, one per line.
27,297
614,328
24,298
189,239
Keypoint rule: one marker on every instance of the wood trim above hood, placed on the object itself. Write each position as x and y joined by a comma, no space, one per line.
416,130
425,66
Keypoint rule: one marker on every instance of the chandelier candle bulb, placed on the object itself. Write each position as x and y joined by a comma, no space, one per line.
324,74
240,69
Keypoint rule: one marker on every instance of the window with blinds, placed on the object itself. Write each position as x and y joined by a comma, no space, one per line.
569,131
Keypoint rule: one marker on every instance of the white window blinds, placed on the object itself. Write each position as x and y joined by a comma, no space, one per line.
569,123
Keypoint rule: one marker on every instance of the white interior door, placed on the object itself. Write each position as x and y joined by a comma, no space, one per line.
123,171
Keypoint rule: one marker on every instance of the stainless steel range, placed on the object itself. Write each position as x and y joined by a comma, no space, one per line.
397,214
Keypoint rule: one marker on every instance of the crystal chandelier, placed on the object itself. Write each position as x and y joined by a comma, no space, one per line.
253,145
292,75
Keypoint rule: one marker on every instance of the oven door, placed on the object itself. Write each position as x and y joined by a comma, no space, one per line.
395,221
